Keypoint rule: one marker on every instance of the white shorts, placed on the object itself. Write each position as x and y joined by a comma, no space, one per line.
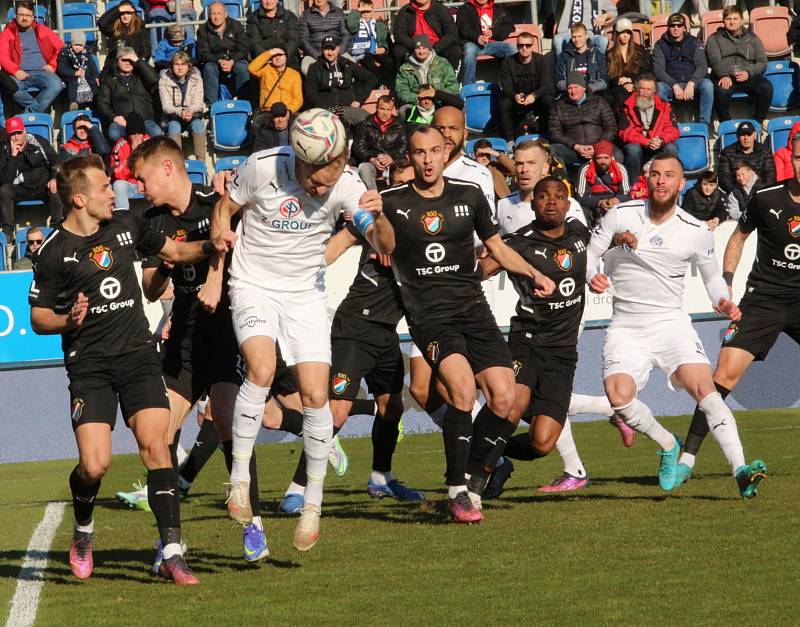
297,321
636,349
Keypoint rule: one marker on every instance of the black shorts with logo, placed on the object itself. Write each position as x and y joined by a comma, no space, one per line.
283,383
764,318
477,338
133,381
361,349
548,371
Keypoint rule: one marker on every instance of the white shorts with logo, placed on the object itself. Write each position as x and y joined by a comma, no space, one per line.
297,321
635,349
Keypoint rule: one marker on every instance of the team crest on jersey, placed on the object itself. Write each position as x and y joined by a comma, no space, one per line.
181,235
340,382
564,259
433,351
432,222
290,207
77,408
517,365
794,226
102,257
730,333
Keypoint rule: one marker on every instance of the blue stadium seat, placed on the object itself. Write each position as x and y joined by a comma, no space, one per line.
524,138
778,130
80,15
690,183
68,122
2,257
112,3
235,8
228,163
694,147
197,171
39,124
19,238
481,106
785,78
229,121
40,11
726,133
498,143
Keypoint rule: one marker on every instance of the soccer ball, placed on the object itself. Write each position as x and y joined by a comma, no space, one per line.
318,136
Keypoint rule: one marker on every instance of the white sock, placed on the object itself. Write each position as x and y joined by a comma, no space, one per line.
565,445
638,417
247,412
182,455
172,549
584,404
380,478
454,490
257,522
722,426
317,436
295,488
687,458
85,528
437,415
476,407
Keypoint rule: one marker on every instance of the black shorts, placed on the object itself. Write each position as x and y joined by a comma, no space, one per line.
283,383
477,338
364,350
764,318
549,373
133,380
196,356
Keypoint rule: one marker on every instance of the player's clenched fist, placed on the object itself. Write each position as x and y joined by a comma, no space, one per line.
225,241
78,311
371,201
544,286
210,295
599,283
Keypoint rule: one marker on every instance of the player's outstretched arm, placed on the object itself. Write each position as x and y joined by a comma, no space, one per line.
733,254
716,287
338,244
156,280
45,321
511,260
381,235
191,252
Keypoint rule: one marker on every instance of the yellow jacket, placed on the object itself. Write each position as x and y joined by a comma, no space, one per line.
290,89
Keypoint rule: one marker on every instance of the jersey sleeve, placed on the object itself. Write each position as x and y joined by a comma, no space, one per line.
46,284
149,242
600,241
485,221
706,261
150,261
245,182
749,219
348,192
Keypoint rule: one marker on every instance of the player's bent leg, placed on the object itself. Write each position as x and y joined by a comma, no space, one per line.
423,389
574,476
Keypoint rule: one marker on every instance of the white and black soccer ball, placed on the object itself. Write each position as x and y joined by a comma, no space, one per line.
318,136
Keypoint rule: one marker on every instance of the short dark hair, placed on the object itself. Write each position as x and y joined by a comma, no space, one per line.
396,166
71,177
423,129
550,179
24,4
386,99
160,144
741,163
666,156
709,176
480,143
730,10
525,35
365,3
34,229
578,27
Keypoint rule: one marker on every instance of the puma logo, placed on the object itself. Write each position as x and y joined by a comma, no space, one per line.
777,213
465,438
170,492
722,423
541,252
496,440
253,417
74,258
404,213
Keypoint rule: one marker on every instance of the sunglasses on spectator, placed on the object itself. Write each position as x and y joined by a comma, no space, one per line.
524,45
485,155
677,25
127,12
30,242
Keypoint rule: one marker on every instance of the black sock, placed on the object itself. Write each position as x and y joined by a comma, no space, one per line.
83,496
227,451
164,499
292,421
362,407
457,433
204,446
698,430
520,447
490,436
300,477
384,441
173,450
255,501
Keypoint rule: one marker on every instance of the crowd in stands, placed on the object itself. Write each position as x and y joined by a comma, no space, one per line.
601,100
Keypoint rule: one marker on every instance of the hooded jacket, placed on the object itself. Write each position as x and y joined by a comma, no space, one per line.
288,90
725,50
679,62
264,33
50,45
760,160
139,41
95,144
631,125
469,22
213,45
173,98
412,74
337,84
118,161
571,123
596,75
314,27
783,157
438,18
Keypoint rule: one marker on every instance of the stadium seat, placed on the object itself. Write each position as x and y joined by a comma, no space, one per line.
785,78
2,257
80,15
658,25
771,25
370,105
229,122
39,124
40,11
710,23
19,238
235,8
112,3
68,122
690,183
778,130
481,106
498,143
693,147
197,171
533,29
524,138
228,163
726,133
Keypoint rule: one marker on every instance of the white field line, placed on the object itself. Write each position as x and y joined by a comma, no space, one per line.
30,580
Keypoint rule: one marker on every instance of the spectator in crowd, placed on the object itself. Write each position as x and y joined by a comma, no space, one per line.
680,65
747,183
423,67
29,53
603,182
783,157
123,28
526,81
746,148
432,19
33,241
86,140
270,25
271,128
370,43
483,27
579,121
738,62
79,71
338,84
319,23
581,55
181,91
222,53
626,61
641,189
500,166
278,82
123,182
128,88
428,98
174,42
647,126
28,167
593,15
166,11
401,172
705,200
378,141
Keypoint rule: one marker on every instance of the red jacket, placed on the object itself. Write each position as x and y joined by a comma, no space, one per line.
631,128
11,47
119,160
783,157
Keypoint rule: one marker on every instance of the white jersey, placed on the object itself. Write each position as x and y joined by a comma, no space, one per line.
283,231
465,169
650,279
514,213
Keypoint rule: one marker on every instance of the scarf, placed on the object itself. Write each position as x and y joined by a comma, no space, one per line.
613,171
382,127
80,62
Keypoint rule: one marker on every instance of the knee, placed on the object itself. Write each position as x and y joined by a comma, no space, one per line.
620,396
94,470
502,402
542,442
463,397
632,150
261,373
394,408
470,50
314,398
210,70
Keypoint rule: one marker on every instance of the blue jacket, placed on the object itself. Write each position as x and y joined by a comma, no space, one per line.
679,62
596,76
162,55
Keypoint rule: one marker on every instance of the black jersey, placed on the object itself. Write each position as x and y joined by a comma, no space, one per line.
100,266
776,217
434,259
192,225
374,294
555,320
